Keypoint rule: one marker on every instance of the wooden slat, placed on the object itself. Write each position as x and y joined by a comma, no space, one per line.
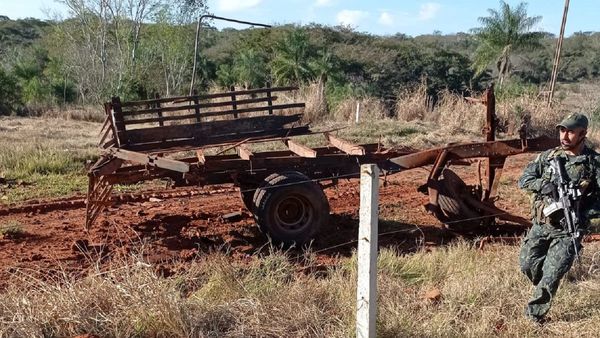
191,143
210,129
233,102
105,124
109,167
116,114
209,96
105,136
109,143
159,112
270,99
345,146
244,152
151,160
134,112
200,156
196,103
217,113
300,149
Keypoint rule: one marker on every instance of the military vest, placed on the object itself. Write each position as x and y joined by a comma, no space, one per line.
582,170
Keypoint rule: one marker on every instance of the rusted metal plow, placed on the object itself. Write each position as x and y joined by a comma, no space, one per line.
465,207
186,139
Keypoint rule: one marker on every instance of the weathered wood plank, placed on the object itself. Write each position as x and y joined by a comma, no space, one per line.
201,157
345,146
116,114
209,130
157,109
151,160
270,99
196,103
244,152
233,102
300,149
109,167
209,96
217,113
198,142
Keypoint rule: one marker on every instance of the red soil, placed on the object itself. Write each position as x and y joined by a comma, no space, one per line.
173,231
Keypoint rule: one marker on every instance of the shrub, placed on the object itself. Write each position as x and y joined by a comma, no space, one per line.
10,94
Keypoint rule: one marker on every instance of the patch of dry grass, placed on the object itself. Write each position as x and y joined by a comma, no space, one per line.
370,109
453,114
44,157
77,113
482,294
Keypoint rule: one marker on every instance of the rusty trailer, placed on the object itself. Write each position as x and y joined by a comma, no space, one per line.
185,139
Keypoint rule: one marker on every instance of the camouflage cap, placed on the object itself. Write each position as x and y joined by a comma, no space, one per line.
575,120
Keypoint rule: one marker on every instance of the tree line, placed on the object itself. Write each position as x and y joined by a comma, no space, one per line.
136,48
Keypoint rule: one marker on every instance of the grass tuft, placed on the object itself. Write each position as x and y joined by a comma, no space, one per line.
11,230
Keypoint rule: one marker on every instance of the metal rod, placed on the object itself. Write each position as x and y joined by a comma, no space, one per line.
198,35
557,54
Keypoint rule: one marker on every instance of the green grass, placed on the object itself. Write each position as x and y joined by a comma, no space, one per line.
39,171
11,229
45,186
22,163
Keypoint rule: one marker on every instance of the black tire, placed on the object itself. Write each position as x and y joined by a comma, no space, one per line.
247,194
290,208
248,191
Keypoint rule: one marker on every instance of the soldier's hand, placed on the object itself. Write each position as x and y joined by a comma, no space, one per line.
548,188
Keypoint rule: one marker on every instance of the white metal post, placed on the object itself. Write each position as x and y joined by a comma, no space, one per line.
357,112
366,291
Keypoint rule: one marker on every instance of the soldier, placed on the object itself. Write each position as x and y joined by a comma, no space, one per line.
548,252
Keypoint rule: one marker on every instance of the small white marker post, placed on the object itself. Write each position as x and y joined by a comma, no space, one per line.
366,291
357,112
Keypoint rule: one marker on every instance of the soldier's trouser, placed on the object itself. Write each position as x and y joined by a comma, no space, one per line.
547,253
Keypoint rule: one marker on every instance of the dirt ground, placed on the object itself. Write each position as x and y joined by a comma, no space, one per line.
173,231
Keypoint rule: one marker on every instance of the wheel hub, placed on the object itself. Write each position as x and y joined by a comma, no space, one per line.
293,213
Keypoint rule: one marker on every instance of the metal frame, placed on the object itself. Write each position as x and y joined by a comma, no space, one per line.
491,152
125,162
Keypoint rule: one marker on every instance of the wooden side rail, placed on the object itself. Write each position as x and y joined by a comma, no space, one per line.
232,112
210,96
210,129
168,123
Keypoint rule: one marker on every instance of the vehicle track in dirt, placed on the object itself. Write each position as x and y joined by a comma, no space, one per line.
190,222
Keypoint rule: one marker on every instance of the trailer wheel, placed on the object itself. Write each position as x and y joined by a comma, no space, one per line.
248,190
247,193
290,208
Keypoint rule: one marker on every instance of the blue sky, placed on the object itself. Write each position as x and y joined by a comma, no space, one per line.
383,17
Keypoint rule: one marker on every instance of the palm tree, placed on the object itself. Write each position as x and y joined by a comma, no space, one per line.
291,62
504,32
250,69
324,68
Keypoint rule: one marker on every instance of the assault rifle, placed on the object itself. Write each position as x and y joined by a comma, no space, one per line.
567,200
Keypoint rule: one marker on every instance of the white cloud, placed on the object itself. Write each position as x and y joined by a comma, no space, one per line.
236,5
429,10
386,19
350,17
324,3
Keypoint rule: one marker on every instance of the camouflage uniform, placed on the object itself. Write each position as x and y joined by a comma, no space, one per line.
547,252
